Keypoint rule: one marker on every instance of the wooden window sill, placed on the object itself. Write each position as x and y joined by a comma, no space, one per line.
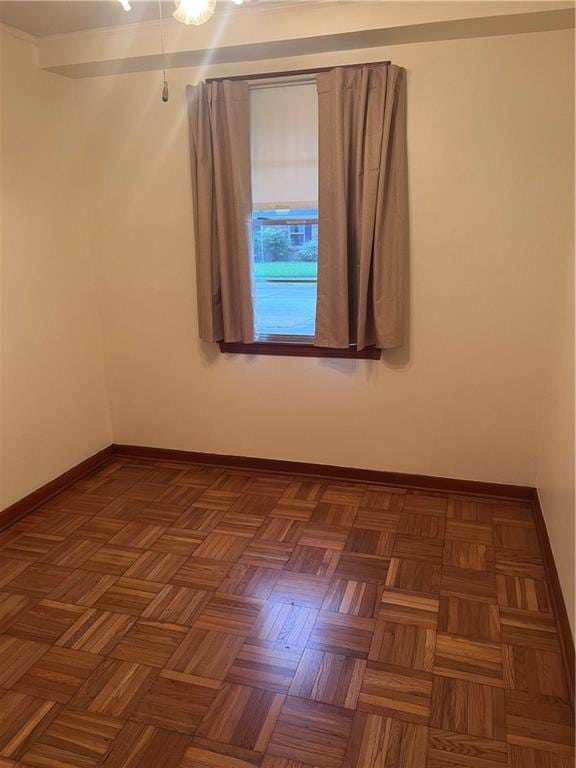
290,349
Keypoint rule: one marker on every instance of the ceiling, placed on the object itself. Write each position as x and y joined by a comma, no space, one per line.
52,17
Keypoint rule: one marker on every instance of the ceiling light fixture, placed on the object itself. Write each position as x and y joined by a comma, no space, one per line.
126,5
194,11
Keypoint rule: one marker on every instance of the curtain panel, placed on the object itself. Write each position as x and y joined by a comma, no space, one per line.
219,120
363,206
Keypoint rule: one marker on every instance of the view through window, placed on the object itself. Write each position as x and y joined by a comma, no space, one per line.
284,127
285,251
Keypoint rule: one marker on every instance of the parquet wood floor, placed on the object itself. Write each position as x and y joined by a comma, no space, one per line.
163,615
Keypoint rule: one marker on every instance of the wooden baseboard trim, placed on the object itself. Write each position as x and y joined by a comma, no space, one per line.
423,482
20,508
557,598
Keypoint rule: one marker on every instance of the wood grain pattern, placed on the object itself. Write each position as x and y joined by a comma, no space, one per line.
190,616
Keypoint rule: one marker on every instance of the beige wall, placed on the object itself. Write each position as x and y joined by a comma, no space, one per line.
54,401
555,477
489,133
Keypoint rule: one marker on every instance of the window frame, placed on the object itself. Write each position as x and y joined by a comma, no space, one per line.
293,346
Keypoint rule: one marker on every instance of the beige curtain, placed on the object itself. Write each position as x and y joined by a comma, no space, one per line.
219,115
363,211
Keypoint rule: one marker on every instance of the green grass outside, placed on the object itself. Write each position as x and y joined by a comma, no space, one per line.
296,270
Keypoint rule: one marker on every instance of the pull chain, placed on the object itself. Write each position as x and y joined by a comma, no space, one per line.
165,93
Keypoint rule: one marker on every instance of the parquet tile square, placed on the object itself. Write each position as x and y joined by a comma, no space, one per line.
327,536
516,562
300,589
470,708
517,592
418,547
332,513
468,584
265,664
469,618
58,674
343,493
249,580
221,546
199,520
137,535
423,525
388,498
469,510
72,552
201,573
466,659
396,692
425,502
381,742
282,530
533,670
206,653
403,645
347,635
243,524
144,746
269,554
414,576
519,536
10,569
528,628
359,567
17,657
235,614
22,720
112,559
539,722
525,757
151,643
354,598
82,587
114,688
74,740
466,530
129,596
216,500
293,509
286,623
46,621
367,541
329,678
242,716
311,732
96,631
458,750
304,489
180,495
315,561
161,614
156,566
31,546
409,608
38,580
177,605
178,541
468,555
377,520
11,607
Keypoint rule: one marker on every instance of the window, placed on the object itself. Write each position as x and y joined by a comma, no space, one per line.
284,128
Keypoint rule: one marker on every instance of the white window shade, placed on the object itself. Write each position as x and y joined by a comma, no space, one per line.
284,145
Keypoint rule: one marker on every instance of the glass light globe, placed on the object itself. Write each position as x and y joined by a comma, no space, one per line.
194,11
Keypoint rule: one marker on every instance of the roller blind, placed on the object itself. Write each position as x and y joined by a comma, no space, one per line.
284,145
